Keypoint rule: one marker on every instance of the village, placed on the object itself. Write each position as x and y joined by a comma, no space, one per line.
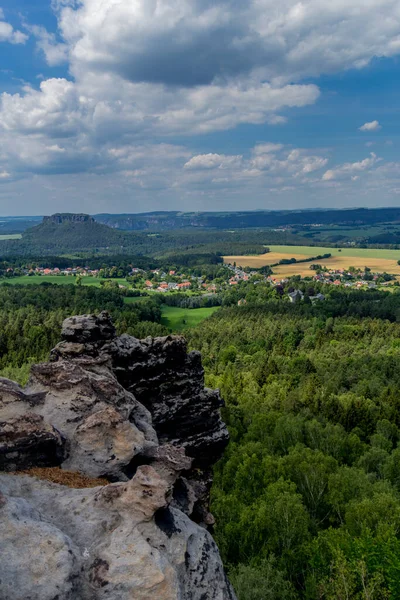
229,276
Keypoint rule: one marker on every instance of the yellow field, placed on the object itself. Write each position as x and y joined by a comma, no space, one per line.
261,260
358,258
377,265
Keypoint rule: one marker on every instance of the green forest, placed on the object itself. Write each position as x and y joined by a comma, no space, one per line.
307,495
31,318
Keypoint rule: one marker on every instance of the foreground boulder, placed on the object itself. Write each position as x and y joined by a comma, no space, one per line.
115,542
131,412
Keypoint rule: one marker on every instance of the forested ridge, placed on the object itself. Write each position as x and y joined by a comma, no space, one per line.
89,238
307,496
242,219
221,233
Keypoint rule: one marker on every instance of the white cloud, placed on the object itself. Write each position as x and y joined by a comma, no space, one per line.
8,33
372,126
219,107
296,162
148,68
266,148
53,110
193,42
213,161
105,108
313,163
349,169
158,69
267,166
55,52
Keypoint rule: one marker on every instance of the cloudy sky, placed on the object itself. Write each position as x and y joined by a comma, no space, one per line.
139,105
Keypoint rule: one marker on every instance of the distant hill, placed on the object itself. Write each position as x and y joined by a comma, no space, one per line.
66,233
70,233
172,220
12,225
159,233
162,221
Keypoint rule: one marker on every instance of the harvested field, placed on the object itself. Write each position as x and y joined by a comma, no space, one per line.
375,264
261,260
378,260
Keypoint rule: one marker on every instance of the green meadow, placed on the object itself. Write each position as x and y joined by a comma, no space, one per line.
10,236
58,280
178,319
356,252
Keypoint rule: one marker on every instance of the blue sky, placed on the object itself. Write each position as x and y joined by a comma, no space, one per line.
117,106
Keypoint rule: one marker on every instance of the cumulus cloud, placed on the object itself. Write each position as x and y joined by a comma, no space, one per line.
276,158
55,52
268,164
351,169
110,109
212,161
195,42
8,33
54,110
157,69
188,67
266,148
371,126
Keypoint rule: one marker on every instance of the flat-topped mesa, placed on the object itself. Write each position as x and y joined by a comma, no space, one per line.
60,218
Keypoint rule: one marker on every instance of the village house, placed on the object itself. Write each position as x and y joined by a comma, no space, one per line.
318,298
295,296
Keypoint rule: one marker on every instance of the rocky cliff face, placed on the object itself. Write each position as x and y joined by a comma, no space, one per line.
68,218
136,414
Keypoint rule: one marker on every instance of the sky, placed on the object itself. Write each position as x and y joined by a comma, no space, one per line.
198,105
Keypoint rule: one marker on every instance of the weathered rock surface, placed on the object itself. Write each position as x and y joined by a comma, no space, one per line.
28,441
115,542
169,381
106,427
137,413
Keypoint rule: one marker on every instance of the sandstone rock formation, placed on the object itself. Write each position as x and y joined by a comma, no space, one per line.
133,412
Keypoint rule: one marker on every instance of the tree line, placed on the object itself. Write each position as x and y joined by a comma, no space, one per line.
31,318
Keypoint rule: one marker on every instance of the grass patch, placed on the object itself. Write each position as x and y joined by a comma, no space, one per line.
18,374
179,319
134,299
58,280
10,236
355,252
70,479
